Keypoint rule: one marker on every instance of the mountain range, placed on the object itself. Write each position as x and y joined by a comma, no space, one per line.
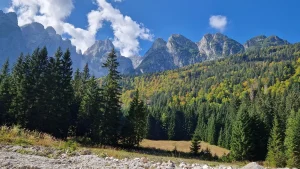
163,55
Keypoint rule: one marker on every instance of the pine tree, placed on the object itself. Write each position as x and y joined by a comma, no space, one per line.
22,90
141,123
275,156
86,73
211,130
195,146
241,143
15,89
221,138
292,140
54,95
38,94
77,83
112,107
5,95
91,115
60,93
135,128
67,92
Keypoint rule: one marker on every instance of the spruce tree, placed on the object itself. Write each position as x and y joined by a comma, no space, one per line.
22,90
211,130
76,102
292,140
38,94
276,156
112,107
221,138
5,95
91,115
67,92
195,146
135,127
60,93
17,77
241,143
54,95
141,123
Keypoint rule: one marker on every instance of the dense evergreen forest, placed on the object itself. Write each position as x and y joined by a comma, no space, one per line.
40,93
248,103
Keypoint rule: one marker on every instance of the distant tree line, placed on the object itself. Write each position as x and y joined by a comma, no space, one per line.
41,93
248,103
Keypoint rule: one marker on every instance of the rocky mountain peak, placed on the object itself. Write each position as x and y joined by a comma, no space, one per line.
51,31
159,43
13,17
99,48
11,38
256,41
179,40
183,50
218,45
34,27
262,41
275,41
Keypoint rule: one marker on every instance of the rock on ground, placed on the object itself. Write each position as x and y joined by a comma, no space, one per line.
19,157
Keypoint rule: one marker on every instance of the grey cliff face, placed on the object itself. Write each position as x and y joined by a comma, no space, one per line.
183,51
11,39
217,45
97,54
177,52
136,61
262,41
157,58
35,35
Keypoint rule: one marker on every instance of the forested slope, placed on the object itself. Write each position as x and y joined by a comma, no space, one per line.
230,102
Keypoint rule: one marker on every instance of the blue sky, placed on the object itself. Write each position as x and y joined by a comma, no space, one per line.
245,18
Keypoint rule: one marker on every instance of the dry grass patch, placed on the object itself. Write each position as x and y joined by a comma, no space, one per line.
183,146
122,154
18,136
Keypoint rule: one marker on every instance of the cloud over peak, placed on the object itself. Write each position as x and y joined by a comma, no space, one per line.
218,22
127,32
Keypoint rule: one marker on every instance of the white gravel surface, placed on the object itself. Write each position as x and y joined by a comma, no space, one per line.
30,158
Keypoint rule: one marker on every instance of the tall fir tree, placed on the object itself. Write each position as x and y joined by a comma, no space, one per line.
91,113
276,156
5,95
68,93
195,146
292,140
211,130
22,90
135,127
77,84
37,94
110,127
60,93
241,143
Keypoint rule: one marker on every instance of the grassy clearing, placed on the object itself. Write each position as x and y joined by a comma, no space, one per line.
17,136
121,154
182,146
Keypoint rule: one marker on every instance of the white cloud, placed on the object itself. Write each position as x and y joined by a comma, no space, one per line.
126,31
218,22
54,13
